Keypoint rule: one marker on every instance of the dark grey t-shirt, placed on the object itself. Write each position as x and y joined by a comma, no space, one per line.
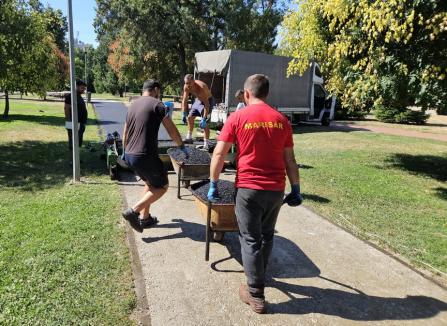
143,121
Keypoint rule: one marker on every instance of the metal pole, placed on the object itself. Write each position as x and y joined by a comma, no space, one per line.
85,59
74,99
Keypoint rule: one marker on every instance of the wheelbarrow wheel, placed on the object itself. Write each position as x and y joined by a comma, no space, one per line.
218,236
113,171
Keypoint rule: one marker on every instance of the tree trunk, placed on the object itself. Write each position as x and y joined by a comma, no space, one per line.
6,112
183,66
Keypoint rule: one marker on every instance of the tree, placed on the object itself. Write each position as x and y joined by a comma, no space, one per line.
29,58
386,55
159,38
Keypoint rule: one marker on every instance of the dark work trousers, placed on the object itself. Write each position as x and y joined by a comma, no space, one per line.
256,213
80,133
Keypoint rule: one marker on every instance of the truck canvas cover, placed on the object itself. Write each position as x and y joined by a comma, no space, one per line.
235,66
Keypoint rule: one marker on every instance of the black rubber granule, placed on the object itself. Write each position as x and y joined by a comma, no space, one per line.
196,156
225,189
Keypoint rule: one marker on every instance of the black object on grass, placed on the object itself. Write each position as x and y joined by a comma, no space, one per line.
196,157
225,189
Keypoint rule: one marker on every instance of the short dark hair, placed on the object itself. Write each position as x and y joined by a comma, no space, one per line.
239,92
80,82
258,85
151,84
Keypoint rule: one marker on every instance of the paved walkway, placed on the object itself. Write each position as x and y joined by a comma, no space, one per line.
318,275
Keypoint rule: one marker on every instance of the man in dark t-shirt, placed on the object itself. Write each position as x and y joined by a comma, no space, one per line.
82,113
140,140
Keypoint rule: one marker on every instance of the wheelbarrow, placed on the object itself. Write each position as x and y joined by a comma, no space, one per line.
113,147
187,171
220,216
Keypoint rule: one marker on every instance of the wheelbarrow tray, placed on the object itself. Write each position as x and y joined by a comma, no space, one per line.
189,172
220,217
223,217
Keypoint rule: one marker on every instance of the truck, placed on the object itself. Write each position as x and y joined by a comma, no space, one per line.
302,98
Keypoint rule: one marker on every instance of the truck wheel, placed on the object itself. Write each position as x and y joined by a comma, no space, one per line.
325,121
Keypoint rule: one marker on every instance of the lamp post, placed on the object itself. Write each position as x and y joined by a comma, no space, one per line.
85,73
74,99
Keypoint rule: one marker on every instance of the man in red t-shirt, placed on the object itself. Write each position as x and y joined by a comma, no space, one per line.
265,154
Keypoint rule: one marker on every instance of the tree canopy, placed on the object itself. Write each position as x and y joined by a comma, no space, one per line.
375,54
159,38
30,59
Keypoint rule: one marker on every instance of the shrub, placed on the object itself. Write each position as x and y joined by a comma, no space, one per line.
406,116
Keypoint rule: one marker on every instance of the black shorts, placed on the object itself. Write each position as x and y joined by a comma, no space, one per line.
150,169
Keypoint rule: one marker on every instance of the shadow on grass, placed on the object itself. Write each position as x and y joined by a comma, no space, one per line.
427,165
49,120
36,165
310,128
441,193
316,198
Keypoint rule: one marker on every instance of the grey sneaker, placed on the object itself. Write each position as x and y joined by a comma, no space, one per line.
133,218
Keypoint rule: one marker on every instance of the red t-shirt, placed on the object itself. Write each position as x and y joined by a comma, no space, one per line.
261,134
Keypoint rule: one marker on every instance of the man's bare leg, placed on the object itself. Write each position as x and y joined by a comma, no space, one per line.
206,138
145,211
152,195
190,127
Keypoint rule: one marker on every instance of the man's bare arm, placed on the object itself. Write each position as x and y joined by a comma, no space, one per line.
125,136
172,130
185,99
291,167
67,111
218,159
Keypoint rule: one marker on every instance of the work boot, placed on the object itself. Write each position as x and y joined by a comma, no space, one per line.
133,218
257,304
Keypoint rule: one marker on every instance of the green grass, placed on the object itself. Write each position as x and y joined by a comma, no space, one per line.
63,258
388,189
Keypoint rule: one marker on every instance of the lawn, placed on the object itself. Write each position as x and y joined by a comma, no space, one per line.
388,189
63,258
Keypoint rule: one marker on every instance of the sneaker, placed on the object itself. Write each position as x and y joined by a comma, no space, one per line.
256,304
148,222
188,141
133,218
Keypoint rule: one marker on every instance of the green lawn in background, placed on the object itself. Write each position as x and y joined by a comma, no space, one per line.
63,258
388,189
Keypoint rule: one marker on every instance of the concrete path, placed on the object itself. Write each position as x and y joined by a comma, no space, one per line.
318,274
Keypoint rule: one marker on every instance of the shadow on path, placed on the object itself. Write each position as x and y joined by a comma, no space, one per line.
353,306
288,261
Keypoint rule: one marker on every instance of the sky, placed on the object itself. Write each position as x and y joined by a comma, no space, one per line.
84,12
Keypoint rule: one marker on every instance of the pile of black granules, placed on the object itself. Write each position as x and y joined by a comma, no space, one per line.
196,156
225,190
